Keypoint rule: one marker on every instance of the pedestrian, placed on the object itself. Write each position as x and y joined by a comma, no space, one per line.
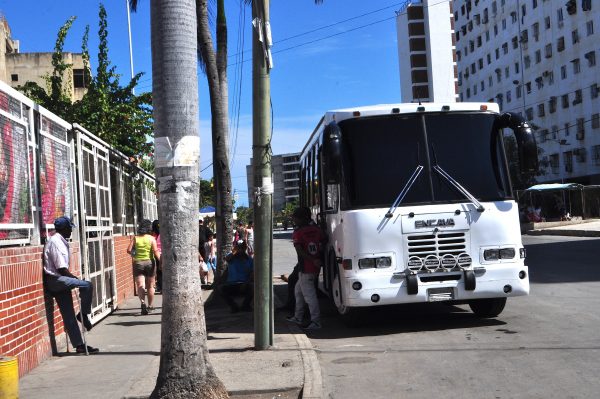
239,281
157,262
59,281
249,238
291,280
240,232
203,232
308,241
211,258
141,247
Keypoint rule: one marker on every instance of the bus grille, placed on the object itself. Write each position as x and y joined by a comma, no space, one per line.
435,246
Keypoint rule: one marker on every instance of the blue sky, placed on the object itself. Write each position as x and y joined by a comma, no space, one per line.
347,64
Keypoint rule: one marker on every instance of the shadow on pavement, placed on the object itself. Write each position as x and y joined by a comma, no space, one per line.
563,262
133,323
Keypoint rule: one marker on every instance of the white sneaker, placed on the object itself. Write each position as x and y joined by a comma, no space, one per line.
293,319
314,325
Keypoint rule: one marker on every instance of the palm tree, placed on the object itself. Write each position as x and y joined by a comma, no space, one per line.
185,370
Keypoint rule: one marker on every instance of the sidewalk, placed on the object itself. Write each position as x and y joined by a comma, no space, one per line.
587,228
128,363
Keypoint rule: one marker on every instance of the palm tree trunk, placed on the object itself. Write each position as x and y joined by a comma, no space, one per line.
185,370
216,73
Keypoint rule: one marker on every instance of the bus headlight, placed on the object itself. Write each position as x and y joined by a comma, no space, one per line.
497,254
372,263
491,254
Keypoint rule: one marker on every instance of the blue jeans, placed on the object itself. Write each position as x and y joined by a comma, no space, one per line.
60,288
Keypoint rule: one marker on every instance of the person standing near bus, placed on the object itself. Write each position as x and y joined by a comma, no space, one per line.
308,241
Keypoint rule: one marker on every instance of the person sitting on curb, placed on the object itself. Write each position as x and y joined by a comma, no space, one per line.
308,241
60,281
239,279
143,269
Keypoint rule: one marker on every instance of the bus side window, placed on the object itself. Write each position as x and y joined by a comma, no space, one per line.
333,197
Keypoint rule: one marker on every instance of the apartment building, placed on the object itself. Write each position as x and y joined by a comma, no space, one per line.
286,180
17,68
538,58
426,51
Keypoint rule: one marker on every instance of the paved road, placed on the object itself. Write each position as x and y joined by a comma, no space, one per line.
546,345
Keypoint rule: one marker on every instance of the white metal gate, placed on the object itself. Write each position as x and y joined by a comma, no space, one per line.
97,244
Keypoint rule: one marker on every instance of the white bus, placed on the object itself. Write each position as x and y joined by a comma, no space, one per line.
417,204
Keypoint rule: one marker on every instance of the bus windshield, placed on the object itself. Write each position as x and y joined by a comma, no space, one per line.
381,153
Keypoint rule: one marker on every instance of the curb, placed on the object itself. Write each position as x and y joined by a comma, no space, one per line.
572,233
313,381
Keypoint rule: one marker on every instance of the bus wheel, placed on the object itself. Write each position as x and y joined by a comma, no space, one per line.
485,308
350,316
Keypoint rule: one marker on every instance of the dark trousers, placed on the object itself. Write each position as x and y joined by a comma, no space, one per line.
292,280
230,291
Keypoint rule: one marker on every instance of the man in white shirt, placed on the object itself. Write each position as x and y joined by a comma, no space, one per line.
60,281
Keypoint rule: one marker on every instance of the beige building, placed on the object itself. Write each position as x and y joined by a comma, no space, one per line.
18,68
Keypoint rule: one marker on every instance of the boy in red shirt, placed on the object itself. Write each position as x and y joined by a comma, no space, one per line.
308,241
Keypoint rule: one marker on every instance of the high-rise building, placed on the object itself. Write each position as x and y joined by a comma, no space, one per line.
426,53
538,58
286,180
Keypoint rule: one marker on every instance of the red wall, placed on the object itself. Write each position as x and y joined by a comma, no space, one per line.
25,331
123,269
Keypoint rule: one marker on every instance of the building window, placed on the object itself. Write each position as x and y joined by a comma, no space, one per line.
596,154
79,79
548,51
468,93
497,53
560,44
590,27
594,90
554,163
591,57
527,61
568,157
563,72
550,77
508,96
536,31
538,56
578,97
576,66
586,5
580,129
487,35
506,72
539,82
478,41
524,36
552,105
565,101
559,16
528,87
495,30
529,114
482,85
475,89
567,129
547,23
505,48
490,81
14,77
516,67
515,42
504,24
575,36
473,70
513,16
480,62
534,4
519,91
595,121
489,59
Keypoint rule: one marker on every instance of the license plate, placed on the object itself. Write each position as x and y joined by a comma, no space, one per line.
440,294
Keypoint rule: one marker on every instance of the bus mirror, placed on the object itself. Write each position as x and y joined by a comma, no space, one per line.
527,147
332,153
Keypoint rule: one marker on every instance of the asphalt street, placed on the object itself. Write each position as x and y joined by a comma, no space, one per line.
545,345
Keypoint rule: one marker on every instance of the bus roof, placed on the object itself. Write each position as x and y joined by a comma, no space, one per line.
406,108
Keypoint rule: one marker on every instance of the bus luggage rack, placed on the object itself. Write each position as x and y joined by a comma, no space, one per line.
443,251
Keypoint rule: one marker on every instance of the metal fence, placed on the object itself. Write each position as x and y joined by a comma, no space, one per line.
50,168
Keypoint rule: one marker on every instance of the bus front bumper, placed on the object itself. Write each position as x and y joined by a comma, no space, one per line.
495,281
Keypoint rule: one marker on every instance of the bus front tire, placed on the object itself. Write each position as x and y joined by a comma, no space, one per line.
489,307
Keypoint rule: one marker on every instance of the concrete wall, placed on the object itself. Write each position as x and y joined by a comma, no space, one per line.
34,66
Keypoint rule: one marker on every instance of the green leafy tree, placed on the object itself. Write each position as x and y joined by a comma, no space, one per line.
108,110
207,193
244,214
56,96
111,111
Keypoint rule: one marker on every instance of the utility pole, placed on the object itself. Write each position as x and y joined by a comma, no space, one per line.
263,183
